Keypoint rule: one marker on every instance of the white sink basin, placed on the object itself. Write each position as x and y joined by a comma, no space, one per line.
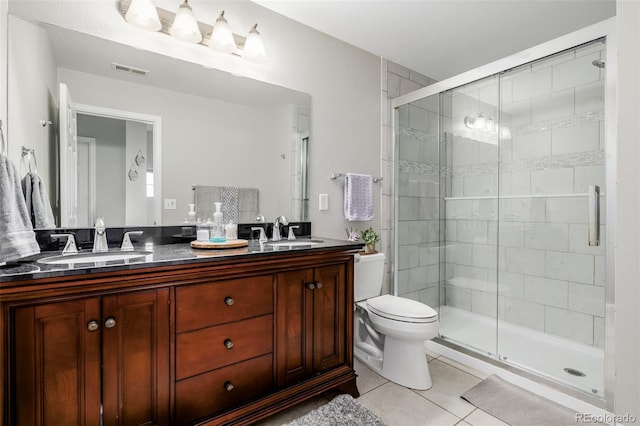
294,243
112,257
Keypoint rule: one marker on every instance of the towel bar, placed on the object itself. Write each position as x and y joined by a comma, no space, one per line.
335,176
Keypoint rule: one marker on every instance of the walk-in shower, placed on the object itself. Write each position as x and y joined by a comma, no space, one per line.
496,180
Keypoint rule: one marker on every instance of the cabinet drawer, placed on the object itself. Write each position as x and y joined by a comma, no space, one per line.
206,394
204,305
206,349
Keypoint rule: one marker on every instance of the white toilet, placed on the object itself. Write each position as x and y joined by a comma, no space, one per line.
390,331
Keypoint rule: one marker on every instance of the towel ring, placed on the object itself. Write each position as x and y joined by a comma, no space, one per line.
30,153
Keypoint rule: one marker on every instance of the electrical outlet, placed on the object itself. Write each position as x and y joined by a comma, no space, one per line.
169,203
324,201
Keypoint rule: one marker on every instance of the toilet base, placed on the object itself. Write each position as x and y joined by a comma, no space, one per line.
405,363
406,366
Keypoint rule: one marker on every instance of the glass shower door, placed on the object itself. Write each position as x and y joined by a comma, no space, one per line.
550,279
470,132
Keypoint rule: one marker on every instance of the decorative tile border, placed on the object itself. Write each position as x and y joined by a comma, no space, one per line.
556,123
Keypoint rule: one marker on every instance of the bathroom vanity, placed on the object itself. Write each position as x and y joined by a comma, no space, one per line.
181,337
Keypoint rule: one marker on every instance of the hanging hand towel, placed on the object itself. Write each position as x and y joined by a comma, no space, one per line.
17,238
40,205
358,197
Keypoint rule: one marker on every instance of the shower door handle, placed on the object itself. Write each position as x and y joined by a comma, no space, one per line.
594,215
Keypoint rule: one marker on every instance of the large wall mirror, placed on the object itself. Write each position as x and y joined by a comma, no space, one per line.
128,134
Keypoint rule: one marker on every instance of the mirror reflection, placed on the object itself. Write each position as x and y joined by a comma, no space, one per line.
132,132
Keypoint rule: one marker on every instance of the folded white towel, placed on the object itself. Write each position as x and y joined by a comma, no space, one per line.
358,197
17,238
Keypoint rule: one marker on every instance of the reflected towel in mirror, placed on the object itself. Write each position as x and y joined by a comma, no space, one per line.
240,205
37,201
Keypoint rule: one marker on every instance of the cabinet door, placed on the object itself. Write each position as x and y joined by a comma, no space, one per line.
294,320
135,333
56,360
329,316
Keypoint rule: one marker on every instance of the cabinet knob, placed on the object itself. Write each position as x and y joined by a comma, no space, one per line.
228,386
311,286
228,343
229,301
110,322
93,325
319,285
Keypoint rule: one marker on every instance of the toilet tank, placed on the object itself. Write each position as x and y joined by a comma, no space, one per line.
367,276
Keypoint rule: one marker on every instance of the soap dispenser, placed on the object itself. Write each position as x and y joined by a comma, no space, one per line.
191,215
218,232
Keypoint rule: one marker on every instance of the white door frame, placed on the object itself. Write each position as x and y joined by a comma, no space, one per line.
156,122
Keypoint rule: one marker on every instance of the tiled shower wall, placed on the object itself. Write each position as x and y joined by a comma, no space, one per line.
548,278
396,80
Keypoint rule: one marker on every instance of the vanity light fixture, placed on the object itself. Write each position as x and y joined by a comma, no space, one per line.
143,14
254,50
221,37
185,27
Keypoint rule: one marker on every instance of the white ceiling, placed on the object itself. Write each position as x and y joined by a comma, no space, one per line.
442,38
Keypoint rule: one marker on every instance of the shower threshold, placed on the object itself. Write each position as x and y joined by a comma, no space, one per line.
541,353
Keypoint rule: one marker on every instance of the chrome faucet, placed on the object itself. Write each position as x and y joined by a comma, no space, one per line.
100,237
126,240
263,237
278,221
292,234
70,247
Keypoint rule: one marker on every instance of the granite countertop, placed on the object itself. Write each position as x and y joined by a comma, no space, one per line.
160,255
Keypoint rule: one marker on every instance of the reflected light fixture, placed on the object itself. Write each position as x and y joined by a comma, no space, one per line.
185,26
254,50
221,37
487,124
143,14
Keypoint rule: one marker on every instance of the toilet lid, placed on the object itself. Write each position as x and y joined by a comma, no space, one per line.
401,309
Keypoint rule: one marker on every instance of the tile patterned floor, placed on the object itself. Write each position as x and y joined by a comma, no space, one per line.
399,406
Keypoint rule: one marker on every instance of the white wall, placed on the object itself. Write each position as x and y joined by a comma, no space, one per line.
34,96
343,82
4,32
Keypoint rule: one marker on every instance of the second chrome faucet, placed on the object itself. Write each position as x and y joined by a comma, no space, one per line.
100,237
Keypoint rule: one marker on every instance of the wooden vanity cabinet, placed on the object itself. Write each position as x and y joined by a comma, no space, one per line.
210,343
59,350
312,304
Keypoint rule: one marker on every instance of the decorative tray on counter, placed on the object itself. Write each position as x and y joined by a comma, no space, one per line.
225,245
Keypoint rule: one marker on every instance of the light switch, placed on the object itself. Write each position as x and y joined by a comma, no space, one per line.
324,201
169,203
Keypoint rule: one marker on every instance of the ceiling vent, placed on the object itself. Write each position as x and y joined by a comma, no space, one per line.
129,70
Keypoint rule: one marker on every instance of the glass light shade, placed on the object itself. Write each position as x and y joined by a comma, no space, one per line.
480,122
254,50
143,14
490,124
222,37
468,122
505,133
185,25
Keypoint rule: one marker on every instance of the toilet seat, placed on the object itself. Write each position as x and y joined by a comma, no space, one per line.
401,309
